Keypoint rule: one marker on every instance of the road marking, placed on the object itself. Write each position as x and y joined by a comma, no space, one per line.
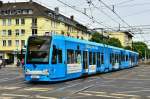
133,91
43,97
7,97
87,94
108,96
9,79
8,88
126,95
98,92
5,79
38,89
126,79
15,95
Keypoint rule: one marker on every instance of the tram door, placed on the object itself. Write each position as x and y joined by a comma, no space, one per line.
85,61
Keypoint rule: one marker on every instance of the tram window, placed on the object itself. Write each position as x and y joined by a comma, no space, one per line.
102,58
94,58
119,58
59,56
115,58
90,58
123,57
98,59
78,56
126,57
70,56
54,55
111,57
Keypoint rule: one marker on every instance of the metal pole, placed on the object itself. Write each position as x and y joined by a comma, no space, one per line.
145,56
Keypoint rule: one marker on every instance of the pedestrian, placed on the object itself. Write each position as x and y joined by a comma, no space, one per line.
4,63
18,63
1,62
22,62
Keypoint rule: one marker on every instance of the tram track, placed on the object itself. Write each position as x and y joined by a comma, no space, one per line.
80,85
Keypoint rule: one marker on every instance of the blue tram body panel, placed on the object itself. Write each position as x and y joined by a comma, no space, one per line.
57,58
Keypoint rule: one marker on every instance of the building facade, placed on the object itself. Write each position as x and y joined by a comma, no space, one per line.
125,37
20,20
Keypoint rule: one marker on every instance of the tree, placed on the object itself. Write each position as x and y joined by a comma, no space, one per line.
114,42
128,48
99,38
140,47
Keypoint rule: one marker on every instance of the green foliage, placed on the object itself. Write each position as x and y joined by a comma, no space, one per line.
114,42
96,37
128,48
140,47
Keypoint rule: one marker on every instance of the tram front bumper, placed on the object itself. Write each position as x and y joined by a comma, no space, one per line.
36,75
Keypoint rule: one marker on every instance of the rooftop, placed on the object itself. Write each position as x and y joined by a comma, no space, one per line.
34,9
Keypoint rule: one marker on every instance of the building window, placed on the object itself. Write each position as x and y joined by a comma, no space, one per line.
17,21
30,11
53,24
22,31
34,22
22,42
17,32
9,22
34,31
4,22
9,42
9,32
17,42
25,12
22,21
4,33
4,42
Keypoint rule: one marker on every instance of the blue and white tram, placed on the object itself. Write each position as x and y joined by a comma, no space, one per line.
57,58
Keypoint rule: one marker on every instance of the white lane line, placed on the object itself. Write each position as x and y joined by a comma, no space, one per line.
43,97
5,79
126,79
108,96
15,95
87,94
126,95
38,89
7,97
97,92
133,91
9,79
8,88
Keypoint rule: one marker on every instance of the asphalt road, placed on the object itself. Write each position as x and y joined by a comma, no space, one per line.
133,83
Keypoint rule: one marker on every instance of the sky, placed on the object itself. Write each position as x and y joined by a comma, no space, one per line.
133,14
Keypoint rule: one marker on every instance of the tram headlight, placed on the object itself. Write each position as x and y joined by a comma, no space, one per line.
45,71
27,71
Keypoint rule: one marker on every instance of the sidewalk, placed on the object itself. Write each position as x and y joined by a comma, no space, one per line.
11,65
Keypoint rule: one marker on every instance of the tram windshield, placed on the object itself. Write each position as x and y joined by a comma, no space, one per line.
38,50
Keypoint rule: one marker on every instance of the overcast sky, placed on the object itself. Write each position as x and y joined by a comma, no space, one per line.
133,12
